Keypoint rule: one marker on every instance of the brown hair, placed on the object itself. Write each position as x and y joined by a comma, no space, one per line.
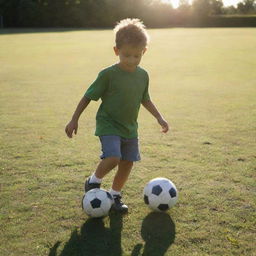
131,31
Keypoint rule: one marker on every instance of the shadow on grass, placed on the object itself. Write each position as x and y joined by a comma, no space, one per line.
94,239
158,232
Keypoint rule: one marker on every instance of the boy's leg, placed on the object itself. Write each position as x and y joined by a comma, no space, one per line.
104,167
122,174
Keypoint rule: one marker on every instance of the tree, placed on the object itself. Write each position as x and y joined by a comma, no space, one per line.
184,7
28,13
201,8
229,10
9,10
246,7
216,7
182,14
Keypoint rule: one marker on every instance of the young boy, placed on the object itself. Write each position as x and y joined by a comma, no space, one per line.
122,88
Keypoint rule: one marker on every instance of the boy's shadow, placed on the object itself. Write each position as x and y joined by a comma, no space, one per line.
158,232
94,239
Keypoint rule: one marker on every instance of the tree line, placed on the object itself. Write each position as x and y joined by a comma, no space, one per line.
105,13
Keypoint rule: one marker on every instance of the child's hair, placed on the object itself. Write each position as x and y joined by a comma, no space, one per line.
132,32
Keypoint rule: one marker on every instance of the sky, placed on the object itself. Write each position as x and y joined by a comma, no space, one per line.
175,3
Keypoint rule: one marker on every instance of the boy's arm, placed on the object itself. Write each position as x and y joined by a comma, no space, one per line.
72,126
149,105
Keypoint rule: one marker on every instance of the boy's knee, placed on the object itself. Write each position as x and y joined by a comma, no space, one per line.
126,163
114,161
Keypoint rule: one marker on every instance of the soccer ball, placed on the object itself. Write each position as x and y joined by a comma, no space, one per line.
160,194
97,203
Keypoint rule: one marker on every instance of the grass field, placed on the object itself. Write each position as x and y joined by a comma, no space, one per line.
204,83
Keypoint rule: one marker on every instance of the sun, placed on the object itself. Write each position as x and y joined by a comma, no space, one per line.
175,3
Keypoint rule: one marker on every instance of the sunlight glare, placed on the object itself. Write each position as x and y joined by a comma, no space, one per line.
175,3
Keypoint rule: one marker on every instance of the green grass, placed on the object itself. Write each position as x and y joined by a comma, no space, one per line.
202,80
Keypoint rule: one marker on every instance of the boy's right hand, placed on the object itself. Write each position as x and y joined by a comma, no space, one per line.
71,127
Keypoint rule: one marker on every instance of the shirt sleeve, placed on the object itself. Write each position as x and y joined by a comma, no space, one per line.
98,87
146,95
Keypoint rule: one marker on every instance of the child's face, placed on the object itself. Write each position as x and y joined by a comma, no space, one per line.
129,56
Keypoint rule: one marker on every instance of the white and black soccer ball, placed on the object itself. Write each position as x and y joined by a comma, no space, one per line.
97,203
160,194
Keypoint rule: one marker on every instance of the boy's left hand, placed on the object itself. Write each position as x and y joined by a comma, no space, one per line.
164,124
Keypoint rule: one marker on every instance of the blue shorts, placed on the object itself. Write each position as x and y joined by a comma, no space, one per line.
116,146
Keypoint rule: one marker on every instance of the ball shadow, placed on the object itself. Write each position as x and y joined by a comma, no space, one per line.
94,239
158,232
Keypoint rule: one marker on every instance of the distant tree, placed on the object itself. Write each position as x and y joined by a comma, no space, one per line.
105,13
246,7
28,13
9,10
229,10
216,7
204,8
184,7
160,14
201,8
182,13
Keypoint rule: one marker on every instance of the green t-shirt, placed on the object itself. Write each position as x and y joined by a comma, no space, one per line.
121,93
